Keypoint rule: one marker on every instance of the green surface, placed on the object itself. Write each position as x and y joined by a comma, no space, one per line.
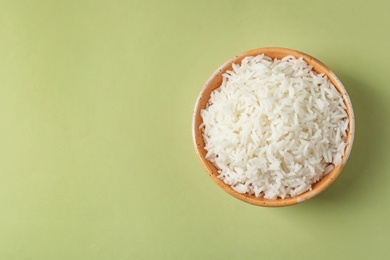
96,155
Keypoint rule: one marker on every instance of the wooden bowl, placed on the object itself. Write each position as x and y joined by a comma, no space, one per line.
215,81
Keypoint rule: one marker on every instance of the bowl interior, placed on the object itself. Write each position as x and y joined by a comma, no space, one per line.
216,80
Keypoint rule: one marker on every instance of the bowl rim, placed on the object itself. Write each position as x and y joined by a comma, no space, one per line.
212,84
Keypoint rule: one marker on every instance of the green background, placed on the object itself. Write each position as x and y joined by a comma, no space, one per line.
96,153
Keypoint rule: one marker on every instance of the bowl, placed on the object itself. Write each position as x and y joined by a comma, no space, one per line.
215,81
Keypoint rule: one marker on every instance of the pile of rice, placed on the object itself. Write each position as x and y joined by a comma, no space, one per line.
274,127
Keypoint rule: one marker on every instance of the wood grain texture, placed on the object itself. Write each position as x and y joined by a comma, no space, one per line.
215,81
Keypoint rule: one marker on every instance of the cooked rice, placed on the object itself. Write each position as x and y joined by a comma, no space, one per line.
274,127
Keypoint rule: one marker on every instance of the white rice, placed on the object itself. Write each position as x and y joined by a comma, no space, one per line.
274,127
